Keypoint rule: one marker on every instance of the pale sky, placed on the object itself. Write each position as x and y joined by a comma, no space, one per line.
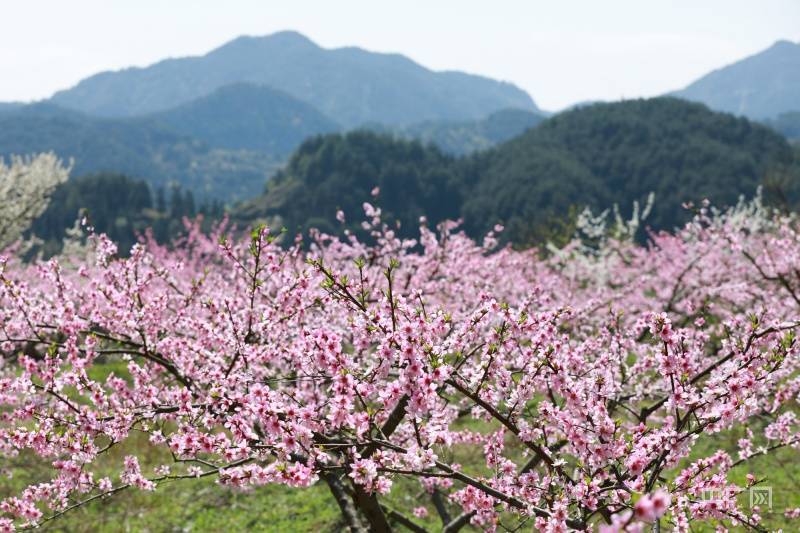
560,51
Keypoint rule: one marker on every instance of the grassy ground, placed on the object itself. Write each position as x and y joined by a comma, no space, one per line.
194,505
780,471
202,505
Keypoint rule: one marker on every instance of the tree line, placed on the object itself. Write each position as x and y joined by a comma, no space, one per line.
595,156
121,207
534,184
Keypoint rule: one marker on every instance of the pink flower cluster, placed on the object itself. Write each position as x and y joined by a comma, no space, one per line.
577,385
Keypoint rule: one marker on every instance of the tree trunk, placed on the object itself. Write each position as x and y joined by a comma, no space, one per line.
369,506
349,512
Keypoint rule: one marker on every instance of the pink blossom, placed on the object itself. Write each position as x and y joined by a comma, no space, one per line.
420,512
591,372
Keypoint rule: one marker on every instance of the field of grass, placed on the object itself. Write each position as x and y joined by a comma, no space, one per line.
779,470
202,505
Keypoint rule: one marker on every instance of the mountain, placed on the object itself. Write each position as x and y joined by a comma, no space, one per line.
760,86
140,148
460,138
618,153
339,171
582,103
9,106
250,117
786,123
592,156
350,85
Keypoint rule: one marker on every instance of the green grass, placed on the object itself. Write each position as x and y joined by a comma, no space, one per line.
779,470
202,505
187,505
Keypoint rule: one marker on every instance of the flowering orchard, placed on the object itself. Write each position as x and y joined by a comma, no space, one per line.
582,381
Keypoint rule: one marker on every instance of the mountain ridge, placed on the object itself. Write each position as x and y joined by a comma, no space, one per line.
249,117
760,86
595,156
465,137
350,85
138,147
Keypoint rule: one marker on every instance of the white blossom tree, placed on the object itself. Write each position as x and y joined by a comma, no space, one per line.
26,185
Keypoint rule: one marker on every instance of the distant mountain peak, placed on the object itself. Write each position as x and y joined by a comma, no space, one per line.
783,44
288,35
760,86
282,38
350,85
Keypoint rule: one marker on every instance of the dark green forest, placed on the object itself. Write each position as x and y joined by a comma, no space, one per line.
593,156
604,154
339,171
121,207
596,156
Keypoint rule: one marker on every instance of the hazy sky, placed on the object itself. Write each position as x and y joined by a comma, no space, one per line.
561,52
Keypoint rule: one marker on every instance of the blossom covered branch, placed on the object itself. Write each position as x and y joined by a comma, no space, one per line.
583,380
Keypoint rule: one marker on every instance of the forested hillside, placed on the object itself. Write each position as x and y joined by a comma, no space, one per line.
142,148
617,153
249,117
224,146
461,138
120,207
593,156
339,172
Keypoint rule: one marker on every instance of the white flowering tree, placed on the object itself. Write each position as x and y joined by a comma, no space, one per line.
26,185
